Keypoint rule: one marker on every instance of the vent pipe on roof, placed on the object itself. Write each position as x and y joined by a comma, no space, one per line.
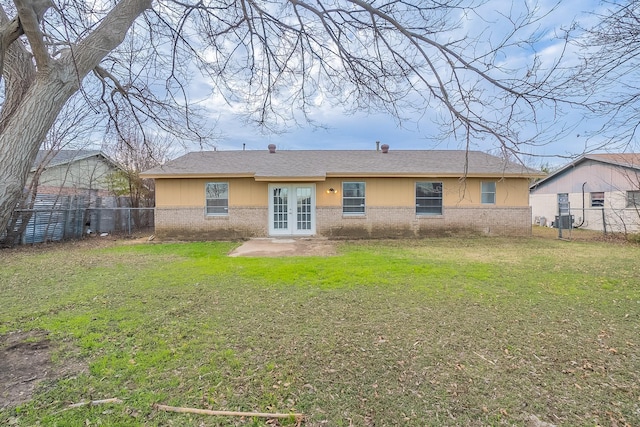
244,146
272,148
385,148
377,145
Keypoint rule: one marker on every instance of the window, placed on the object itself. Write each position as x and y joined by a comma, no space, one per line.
353,198
217,198
488,192
597,200
428,198
633,199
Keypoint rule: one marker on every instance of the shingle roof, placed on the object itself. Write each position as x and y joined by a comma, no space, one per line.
631,160
626,160
62,157
318,164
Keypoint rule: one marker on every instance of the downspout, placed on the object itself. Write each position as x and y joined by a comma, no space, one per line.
582,223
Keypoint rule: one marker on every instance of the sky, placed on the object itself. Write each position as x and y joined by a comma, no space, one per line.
360,131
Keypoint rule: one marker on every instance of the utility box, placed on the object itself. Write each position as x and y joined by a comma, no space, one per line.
564,222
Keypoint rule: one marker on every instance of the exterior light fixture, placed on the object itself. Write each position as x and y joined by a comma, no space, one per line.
331,190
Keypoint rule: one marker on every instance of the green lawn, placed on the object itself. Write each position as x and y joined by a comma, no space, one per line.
437,332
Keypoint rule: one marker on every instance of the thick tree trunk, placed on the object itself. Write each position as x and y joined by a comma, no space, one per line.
25,131
27,126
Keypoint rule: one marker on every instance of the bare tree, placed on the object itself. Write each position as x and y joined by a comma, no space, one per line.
72,130
134,155
605,81
277,58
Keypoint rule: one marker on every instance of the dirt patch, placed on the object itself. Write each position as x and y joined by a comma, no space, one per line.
89,242
285,247
25,361
580,235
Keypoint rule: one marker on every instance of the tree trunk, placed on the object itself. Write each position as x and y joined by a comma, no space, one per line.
27,127
25,131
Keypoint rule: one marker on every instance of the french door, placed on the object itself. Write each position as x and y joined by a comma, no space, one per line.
292,209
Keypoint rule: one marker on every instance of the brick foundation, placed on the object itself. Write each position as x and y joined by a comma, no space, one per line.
395,222
192,224
379,222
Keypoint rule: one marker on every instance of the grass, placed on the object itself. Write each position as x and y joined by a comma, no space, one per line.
432,332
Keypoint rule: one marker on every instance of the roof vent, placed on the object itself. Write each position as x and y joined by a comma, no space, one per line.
272,148
377,145
385,148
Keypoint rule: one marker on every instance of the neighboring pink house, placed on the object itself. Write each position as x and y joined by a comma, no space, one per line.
602,192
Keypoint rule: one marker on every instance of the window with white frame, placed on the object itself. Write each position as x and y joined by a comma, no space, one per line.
597,199
428,198
353,200
633,199
488,192
217,198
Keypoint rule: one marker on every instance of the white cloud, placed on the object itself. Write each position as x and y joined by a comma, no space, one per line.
339,130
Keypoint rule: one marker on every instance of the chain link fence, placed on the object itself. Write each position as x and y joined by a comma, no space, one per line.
69,218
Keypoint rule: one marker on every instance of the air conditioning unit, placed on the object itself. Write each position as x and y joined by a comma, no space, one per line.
564,222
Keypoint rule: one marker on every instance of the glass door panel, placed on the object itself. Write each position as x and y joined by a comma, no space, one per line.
292,209
303,210
280,203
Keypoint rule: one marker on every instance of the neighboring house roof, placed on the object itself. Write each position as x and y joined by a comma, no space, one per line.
624,160
63,157
312,165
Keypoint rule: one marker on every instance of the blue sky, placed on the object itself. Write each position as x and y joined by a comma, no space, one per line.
361,131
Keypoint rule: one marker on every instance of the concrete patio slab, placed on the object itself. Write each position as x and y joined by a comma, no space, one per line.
281,247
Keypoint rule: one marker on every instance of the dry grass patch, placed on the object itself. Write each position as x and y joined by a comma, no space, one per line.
423,332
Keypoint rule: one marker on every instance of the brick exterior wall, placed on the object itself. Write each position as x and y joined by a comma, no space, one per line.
403,222
190,223
379,222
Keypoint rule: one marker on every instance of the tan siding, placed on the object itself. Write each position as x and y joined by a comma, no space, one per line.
512,192
390,192
190,192
180,192
167,191
325,198
401,191
459,193
509,192
245,192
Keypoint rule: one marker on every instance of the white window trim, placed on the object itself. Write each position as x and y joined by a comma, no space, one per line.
205,199
591,199
364,205
633,202
441,199
495,191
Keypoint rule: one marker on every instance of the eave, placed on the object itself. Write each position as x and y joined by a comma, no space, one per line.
197,175
290,178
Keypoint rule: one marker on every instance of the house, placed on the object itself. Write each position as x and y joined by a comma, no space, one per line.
73,172
600,192
340,194
65,191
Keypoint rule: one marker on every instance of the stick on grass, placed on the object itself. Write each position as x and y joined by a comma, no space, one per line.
95,402
225,413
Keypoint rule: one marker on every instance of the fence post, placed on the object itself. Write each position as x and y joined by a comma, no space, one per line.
604,222
67,228
35,222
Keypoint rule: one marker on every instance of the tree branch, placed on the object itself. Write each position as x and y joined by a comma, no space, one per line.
111,31
9,33
30,13
16,66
